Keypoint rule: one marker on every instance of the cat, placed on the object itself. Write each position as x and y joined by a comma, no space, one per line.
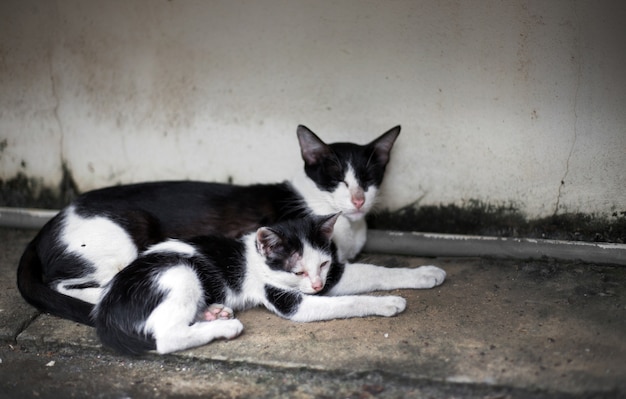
64,268
180,294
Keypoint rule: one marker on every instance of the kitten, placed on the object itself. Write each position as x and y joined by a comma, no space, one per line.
181,294
64,268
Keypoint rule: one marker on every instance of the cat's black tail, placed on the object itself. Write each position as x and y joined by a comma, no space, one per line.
40,295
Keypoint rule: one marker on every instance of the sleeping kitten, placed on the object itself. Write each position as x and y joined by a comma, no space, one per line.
64,268
181,294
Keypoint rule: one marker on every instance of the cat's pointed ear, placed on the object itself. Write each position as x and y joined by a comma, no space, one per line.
382,145
311,146
327,225
268,241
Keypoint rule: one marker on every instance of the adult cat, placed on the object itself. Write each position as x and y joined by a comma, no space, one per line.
64,268
181,294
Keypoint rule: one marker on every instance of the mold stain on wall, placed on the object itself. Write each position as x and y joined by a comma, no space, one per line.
28,192
475,217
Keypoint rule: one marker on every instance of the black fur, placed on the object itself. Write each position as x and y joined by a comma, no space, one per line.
286,302
37,292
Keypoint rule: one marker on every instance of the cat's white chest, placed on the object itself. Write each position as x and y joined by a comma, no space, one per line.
349,237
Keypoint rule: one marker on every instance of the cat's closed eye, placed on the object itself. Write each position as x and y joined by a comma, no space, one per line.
303,273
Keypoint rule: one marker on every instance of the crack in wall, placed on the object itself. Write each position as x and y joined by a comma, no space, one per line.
67,186
569,156
55,109
578,60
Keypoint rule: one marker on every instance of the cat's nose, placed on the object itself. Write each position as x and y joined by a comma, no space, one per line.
317,285
358,202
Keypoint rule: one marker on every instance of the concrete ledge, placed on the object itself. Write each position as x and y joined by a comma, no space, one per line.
428,244
26,218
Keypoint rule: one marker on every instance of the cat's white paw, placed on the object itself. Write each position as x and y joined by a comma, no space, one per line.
429,276
229,329
217,311
391,305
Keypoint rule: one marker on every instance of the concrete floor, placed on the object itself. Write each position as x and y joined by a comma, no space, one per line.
495,328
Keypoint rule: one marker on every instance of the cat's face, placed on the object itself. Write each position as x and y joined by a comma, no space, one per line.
298,252
348,175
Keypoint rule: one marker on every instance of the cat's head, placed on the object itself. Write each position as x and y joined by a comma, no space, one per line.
348,175
299,252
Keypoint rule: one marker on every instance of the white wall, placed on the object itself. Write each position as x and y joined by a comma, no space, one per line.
498,100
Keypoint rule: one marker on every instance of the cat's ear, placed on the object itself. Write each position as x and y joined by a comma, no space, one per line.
311,146
327,225
382,145
268,241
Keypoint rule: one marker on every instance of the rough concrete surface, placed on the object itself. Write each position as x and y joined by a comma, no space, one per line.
494,329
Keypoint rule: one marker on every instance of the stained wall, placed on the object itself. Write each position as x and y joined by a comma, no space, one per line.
514,101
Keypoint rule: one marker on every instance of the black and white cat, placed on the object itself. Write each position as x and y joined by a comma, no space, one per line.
181,294
64,269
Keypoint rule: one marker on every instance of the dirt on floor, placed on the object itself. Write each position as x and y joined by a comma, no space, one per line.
67,373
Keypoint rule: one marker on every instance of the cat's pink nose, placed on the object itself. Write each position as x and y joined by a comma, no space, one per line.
317,286
358,202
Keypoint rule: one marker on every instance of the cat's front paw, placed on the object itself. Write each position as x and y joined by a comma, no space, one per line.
229,329
429,276
392,305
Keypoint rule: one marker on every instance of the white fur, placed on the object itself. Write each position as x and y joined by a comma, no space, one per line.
349,238
101,243
313,308
172,245
344,199
172,321
311,266
359,278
